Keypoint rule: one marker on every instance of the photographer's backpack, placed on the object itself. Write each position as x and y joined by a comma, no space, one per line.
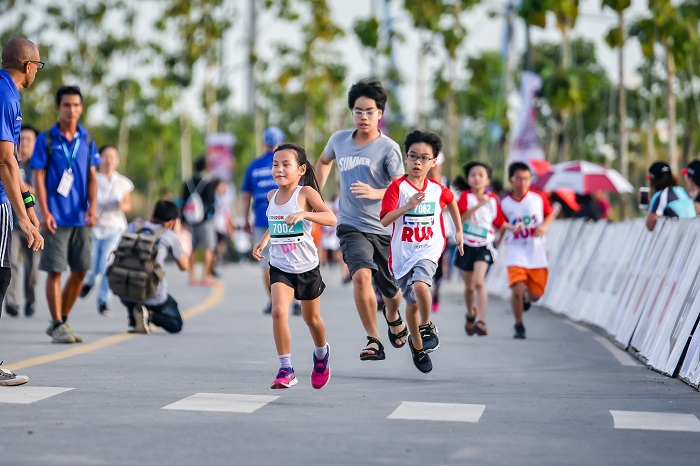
135,273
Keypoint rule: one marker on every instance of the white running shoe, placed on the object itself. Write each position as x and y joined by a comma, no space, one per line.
142,318
9,379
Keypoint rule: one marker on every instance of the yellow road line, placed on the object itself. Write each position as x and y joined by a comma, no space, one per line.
214,298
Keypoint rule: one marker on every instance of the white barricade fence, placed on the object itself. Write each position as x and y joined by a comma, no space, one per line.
640,287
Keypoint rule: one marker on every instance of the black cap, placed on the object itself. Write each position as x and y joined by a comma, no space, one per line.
658,170
165,211
693,171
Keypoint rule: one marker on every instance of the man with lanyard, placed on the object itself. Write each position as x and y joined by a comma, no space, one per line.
257,184
65,175
20,62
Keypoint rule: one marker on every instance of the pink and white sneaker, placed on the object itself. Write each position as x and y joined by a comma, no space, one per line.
321,373
285,378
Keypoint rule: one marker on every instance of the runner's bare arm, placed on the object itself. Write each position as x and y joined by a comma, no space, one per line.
542,229
413,202
469,212
323,169
318,211
364,191
459,235
260,245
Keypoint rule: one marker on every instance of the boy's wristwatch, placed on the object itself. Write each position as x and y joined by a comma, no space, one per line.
29,200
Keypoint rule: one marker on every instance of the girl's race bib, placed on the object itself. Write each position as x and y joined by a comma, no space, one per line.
281,233
475,230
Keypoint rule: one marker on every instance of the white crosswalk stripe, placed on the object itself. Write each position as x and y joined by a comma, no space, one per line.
451,412
222,402
642,420
26,394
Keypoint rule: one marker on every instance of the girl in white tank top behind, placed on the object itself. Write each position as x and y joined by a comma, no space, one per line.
294,264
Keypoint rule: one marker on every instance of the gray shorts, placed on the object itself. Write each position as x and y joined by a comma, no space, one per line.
423,271
69,246
368,251
203,236
258,233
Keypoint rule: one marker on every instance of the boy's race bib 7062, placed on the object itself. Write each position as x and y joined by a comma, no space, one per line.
281,233
422,214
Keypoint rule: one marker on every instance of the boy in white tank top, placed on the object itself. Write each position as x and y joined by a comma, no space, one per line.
413,206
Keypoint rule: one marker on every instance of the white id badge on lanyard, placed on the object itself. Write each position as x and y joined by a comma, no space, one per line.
66,183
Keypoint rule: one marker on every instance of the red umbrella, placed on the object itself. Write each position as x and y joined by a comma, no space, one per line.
539,166
584,178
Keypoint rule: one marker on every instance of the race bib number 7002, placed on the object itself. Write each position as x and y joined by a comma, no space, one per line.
281,233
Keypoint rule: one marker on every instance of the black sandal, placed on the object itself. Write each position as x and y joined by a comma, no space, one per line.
469,326
376,354
395,336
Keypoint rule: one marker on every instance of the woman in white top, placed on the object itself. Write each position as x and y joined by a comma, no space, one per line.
113,202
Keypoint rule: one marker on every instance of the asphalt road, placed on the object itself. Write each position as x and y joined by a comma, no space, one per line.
563,396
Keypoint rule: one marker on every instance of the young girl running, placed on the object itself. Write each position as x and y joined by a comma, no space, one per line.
294,264
480,213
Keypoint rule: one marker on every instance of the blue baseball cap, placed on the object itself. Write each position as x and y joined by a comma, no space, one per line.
273,136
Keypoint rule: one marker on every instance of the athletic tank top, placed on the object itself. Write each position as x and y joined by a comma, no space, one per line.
292,248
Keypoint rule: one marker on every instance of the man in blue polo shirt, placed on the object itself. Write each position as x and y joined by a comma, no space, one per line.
20,62
64,162
257,183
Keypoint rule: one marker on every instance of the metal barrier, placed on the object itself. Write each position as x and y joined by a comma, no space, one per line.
637,286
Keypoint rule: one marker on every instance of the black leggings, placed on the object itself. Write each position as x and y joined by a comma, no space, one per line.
5,275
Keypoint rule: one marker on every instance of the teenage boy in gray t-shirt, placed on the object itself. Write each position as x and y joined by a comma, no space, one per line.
368,161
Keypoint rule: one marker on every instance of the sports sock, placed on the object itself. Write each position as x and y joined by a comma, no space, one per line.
320,351
285,360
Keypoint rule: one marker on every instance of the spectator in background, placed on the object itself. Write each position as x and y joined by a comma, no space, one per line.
20,253
692,179
668,199
113,202
258,182
203,234
223,221
497,188
603,202
564,202
588,208
65,164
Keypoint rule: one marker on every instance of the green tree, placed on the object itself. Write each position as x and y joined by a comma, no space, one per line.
616,38
677,37
195,30
310,77
582,89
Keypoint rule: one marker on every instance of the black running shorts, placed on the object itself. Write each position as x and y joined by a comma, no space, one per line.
472,255
307,286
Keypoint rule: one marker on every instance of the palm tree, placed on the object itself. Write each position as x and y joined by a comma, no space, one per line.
678,37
